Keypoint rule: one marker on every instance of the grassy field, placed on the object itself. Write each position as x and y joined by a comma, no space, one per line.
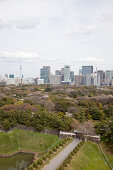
109,153
25,140
88,158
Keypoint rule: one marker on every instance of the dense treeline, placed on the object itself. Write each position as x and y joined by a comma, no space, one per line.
39,120
57,107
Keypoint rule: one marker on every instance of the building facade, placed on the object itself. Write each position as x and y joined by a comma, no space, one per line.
66,73
55,79
45,74
87,71
72,76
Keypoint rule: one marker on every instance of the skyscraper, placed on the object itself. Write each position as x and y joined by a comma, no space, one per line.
72,76
57,72
100,77
87,72
45,74
67,73
62,73
108,77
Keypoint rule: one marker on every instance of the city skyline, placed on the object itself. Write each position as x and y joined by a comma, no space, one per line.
55,33
53,71
87,76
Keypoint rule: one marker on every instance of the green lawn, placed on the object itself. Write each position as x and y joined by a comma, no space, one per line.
32,141
88,158
109,153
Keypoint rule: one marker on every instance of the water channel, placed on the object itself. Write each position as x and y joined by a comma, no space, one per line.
17,162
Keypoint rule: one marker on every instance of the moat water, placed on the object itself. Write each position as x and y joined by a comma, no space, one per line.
19,161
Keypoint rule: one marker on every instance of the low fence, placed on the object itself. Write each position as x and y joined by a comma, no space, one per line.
23,127
17,152
105,157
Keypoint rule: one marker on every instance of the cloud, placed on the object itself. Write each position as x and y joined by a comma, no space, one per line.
26,23
81,30
17,56
20,23
3,23
90,59
51,59
106,17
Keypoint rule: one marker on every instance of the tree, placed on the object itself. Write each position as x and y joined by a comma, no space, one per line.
62,105
95,113
49,105
6,124
6,101
105,129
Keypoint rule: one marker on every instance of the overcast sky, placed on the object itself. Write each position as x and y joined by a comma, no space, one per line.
55,32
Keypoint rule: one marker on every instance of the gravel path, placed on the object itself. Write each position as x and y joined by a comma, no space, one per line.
57,160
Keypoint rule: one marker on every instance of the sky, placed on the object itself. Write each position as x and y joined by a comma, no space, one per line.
34,33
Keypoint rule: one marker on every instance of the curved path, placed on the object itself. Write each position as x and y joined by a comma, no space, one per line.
57,160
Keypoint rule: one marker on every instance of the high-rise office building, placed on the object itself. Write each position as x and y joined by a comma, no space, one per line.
100,77
87,72
78,80
112,74
45,74
55,79
11,76
67,73
6,75
72,76
57,72
108,77
80,71
62,73
94,78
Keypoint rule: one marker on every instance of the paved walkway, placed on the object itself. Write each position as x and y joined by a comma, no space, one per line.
57,160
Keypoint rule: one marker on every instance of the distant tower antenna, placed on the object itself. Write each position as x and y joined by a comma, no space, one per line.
21,73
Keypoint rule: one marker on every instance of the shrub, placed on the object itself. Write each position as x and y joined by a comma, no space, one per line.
40,162
79,145
54,149
61,144
65,164
57,146
74,150
48,155
77,148
30,168
35,165
61,168
82,142
72,153
70,157
66,139
67,160
64,142
44,158
51,152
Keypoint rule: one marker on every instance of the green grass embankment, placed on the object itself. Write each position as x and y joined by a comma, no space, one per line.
24,140
89,157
